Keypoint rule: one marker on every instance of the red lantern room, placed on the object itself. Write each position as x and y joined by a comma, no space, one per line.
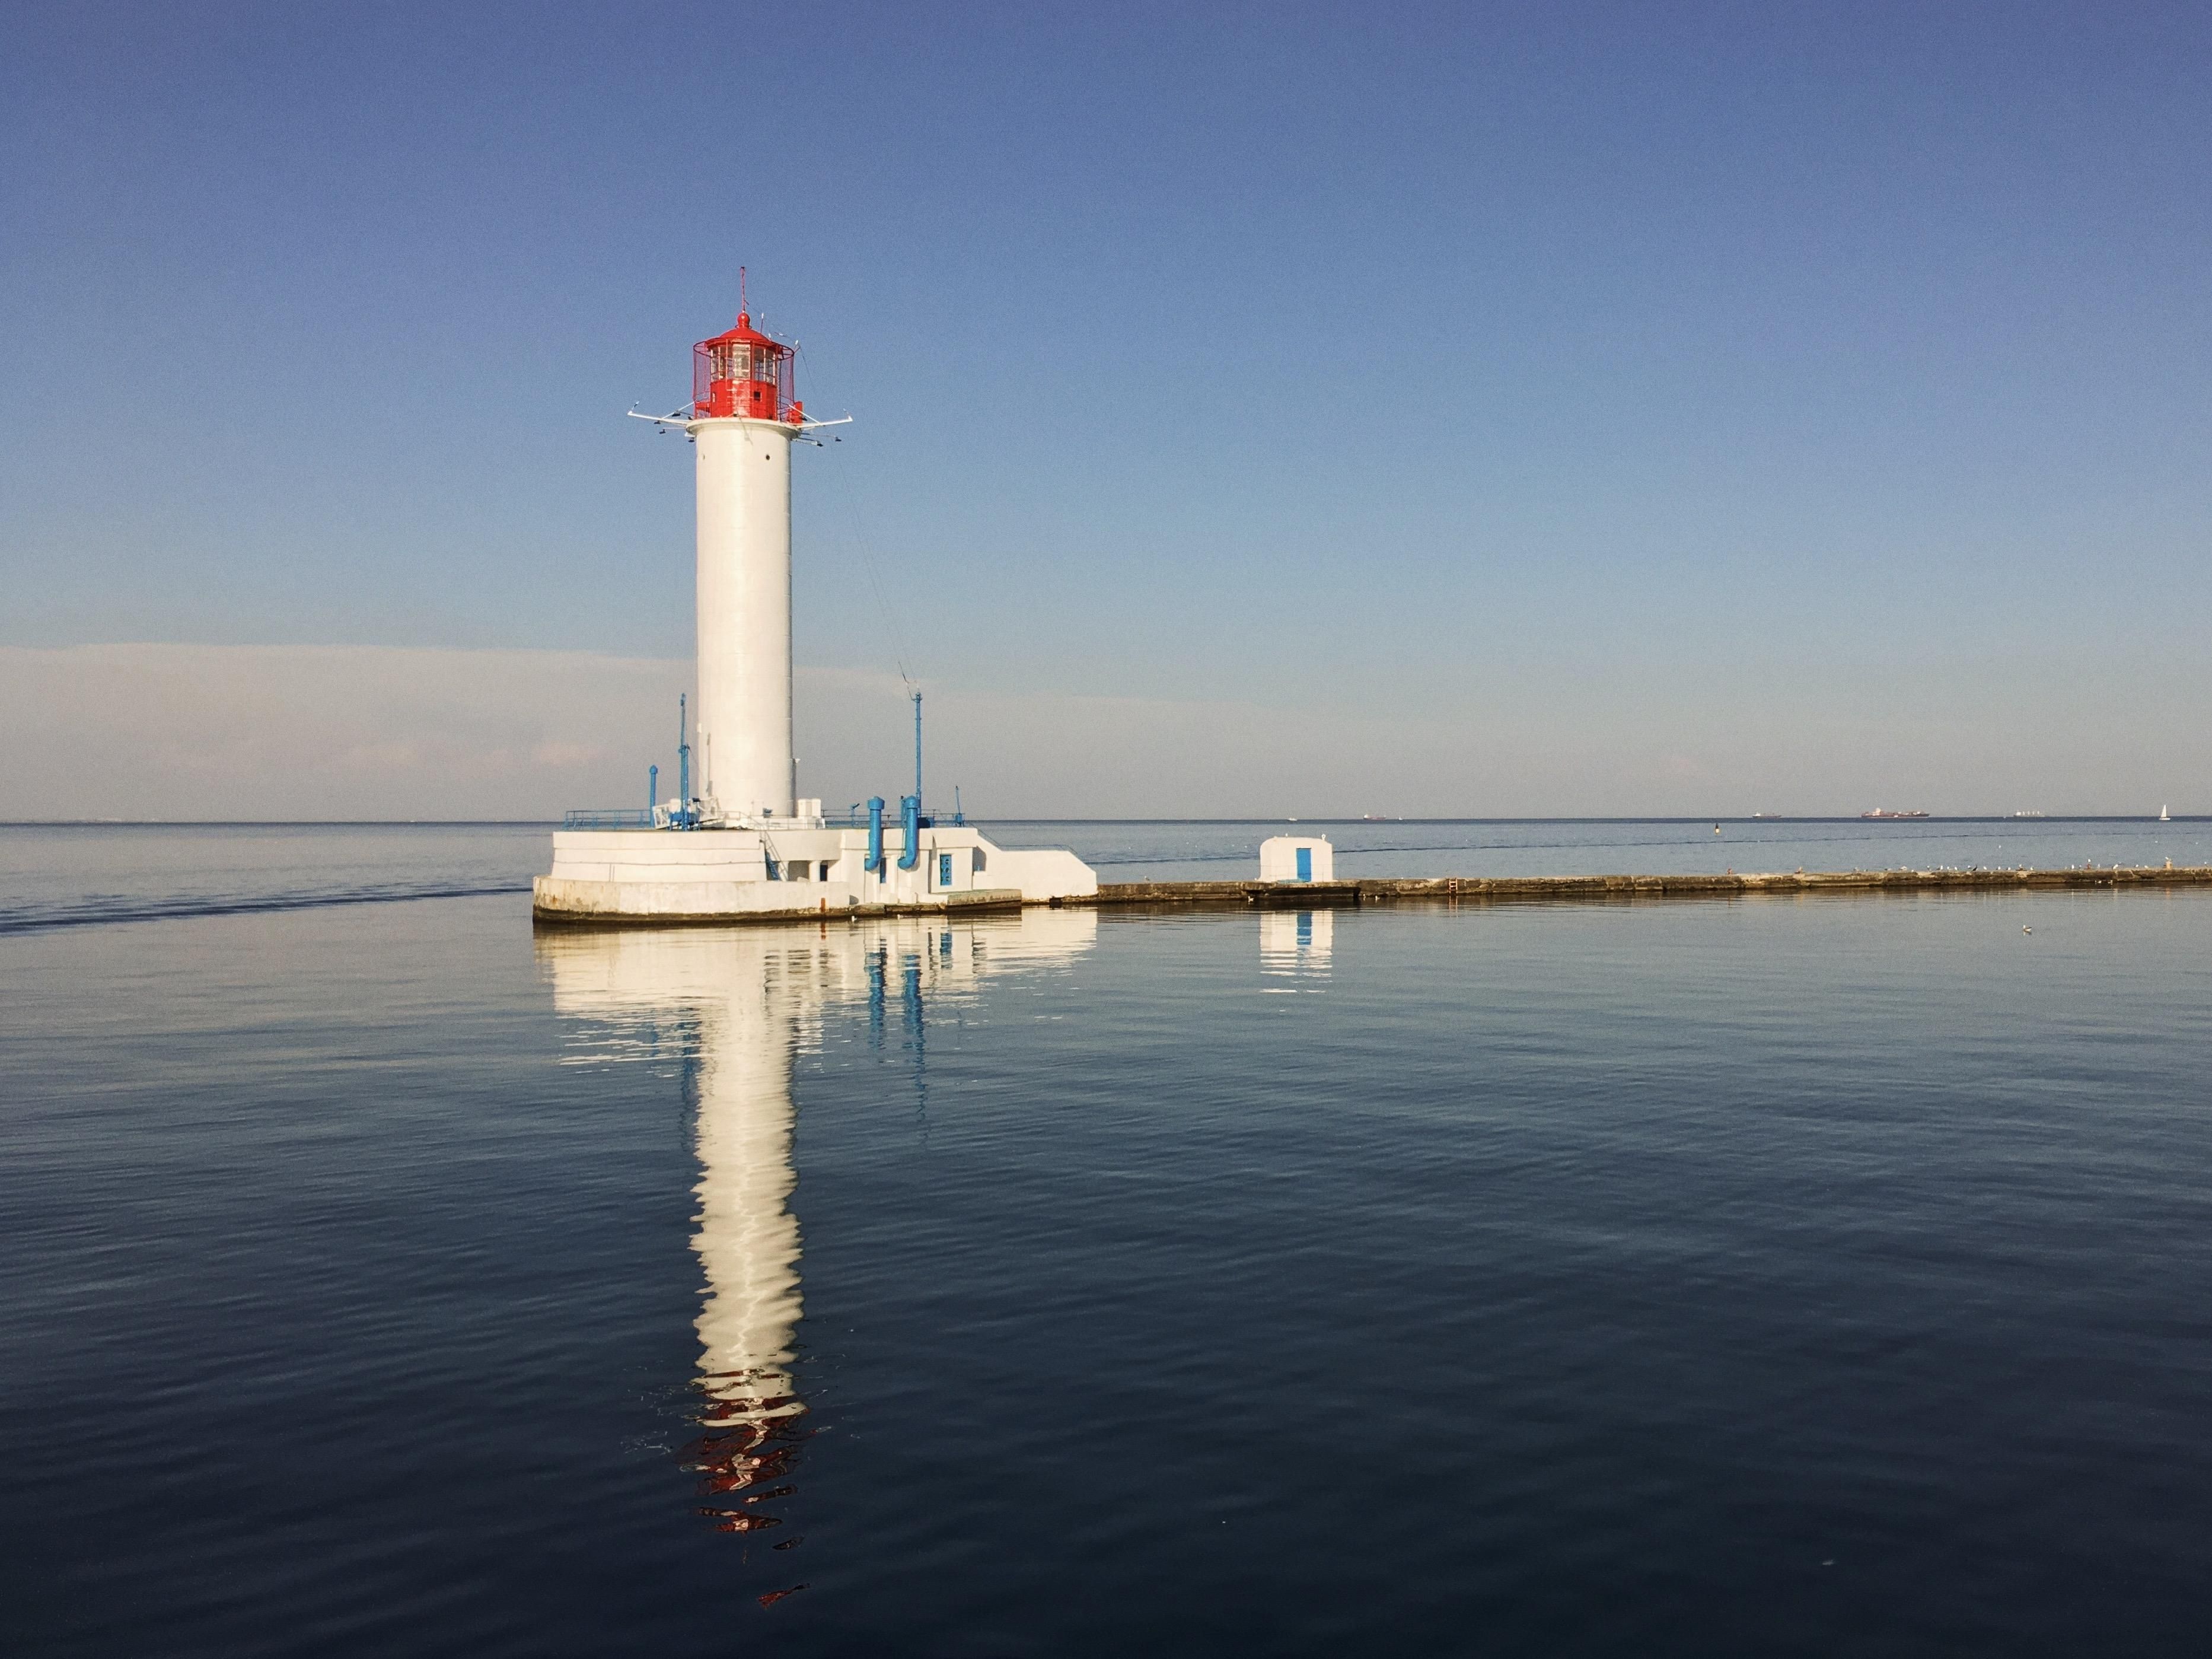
742,374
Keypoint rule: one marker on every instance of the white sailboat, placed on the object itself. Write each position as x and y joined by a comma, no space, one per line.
2164,817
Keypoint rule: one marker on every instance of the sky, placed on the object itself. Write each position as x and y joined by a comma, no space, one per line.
1468,410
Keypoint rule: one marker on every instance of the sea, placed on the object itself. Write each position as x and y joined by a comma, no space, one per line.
1814,1274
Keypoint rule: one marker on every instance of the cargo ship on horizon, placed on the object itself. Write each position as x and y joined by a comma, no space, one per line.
1880,812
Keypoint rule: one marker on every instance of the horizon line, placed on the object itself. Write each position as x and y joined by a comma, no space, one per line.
1007,817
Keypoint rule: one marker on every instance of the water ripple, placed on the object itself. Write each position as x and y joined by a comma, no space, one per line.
103,910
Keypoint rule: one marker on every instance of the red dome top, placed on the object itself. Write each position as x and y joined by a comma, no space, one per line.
744,331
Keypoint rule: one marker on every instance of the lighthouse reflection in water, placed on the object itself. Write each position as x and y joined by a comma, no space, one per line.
740,1008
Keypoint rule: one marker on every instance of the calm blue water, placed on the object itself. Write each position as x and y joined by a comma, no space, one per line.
1774,1276
53,875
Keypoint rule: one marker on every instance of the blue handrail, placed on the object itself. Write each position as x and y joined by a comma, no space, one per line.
857,817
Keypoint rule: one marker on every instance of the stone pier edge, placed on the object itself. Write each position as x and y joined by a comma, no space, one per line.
1462,889
1547,889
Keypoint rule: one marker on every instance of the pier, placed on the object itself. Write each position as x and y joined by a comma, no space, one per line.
1384,891
1536,890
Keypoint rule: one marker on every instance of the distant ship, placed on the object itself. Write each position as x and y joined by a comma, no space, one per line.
2027,815
1879,814
2165,817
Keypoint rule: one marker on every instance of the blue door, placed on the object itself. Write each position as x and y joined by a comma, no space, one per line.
944,870
1305,863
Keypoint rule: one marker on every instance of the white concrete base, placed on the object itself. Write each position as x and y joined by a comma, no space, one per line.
792,874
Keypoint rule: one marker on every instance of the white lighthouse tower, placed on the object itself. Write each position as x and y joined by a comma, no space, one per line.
743,419
737,840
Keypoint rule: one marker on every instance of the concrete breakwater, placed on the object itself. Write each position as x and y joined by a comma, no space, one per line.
1442,890
1522,889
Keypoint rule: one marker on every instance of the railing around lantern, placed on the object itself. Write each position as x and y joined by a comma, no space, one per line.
737,377
623,818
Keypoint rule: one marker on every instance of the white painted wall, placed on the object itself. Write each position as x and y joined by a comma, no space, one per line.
1041,873
743,749
649,873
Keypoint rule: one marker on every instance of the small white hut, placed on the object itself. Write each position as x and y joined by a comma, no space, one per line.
1296,857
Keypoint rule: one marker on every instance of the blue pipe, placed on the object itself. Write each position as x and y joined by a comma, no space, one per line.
910,813
876,835
652,791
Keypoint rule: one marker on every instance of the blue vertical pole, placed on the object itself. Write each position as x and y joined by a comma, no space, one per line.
917,746
652,791
684,760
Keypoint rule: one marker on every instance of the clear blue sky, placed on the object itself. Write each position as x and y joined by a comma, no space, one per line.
1402,360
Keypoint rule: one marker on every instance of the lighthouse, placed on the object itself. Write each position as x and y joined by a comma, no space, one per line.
744,417
740,842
